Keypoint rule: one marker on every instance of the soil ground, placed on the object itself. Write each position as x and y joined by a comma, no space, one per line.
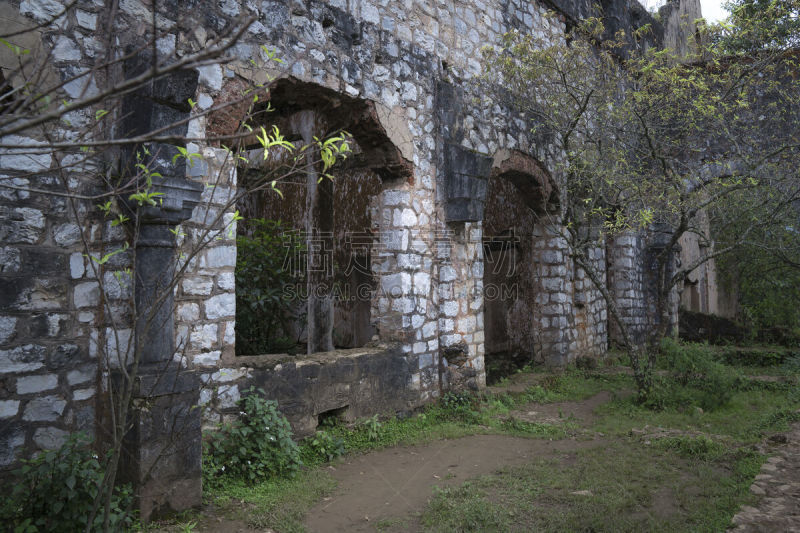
391,486
391,489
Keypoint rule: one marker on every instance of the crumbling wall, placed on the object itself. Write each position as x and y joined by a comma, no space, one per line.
399,70
53,314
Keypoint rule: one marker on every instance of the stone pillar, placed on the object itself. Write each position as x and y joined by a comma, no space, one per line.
161,450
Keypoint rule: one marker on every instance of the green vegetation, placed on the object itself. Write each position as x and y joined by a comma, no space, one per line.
277,503
612,487
58,491
636,466
264,305
257,446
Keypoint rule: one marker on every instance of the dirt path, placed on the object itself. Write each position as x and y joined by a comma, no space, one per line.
395,483
560,412
778,484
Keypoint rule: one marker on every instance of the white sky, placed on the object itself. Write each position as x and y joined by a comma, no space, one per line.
712,9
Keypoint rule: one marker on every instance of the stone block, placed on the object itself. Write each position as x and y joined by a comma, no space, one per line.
8,326
49,438
197,286
76,265
219,257
76,377
28,155
9,408
226,281
44,409
9,260
86,294
395,285
204,336
228,396
222,305
450,308
22,359
23,225
207,358
36,384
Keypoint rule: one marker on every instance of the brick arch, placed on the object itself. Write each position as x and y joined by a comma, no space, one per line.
536,186
357,116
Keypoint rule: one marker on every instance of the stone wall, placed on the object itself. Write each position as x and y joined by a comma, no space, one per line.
53,313
397,76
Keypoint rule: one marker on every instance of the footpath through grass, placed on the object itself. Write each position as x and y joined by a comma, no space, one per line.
677,468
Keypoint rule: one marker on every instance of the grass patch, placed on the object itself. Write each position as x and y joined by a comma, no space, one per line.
571,385
747,416
279,503
624,486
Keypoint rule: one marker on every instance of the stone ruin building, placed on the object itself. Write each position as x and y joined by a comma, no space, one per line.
448,198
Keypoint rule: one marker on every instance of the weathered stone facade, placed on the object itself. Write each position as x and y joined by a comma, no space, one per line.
451,174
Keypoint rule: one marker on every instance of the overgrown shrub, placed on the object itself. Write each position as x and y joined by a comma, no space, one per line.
266,303
696,379
56,491
256,446
754,356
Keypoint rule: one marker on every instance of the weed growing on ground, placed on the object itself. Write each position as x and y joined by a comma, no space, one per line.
692,447
321,447
257,446
277,503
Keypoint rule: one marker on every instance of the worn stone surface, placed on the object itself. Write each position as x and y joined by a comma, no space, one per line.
397,77
778,488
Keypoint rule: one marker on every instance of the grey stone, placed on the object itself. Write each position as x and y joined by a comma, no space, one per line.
9,408
117,285
204,336
9,260
211,76
118,347
25,225
10,440
83,394
226,281
86,20
219,257
76,377
188,312
76,265
396,284
47,408
49,438
82,87
226,375
207,358
41,10
197,286
66,50
86,294
30,156
228,396
222,305
34,384
8,325
67,234
22,359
